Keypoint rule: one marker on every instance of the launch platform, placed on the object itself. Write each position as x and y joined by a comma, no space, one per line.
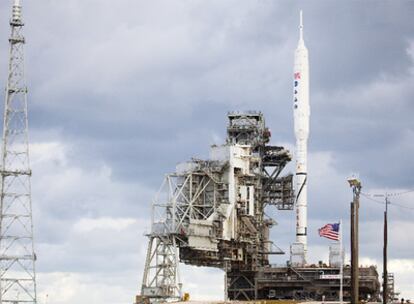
212,213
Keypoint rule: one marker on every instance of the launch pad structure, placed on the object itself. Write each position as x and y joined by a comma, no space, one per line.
212,213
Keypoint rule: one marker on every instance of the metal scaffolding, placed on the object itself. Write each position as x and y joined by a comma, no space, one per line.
17,257
161,278
212,212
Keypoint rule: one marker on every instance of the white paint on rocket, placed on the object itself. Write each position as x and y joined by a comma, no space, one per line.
301,114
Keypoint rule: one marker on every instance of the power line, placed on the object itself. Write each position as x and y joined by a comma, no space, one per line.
402,206
400,193
389,194
369,197
393,193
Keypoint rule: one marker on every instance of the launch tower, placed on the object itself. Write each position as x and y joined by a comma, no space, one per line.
213,212
17,257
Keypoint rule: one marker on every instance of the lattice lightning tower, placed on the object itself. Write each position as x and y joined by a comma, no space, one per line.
17,257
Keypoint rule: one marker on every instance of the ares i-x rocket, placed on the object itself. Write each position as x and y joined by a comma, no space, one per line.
301,113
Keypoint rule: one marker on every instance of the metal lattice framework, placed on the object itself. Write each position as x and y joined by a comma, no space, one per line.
17,257
161,279
181,199
212,211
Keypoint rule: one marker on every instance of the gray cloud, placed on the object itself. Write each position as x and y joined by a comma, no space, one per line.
120,91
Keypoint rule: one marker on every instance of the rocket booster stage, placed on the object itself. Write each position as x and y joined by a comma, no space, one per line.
301,112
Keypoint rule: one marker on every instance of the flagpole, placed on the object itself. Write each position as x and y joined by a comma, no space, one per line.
341,269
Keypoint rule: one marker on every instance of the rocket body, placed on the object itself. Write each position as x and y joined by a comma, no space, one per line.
301,110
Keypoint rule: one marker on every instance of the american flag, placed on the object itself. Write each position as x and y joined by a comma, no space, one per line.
330,231
297,75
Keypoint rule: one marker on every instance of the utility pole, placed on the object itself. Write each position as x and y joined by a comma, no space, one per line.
352,249
355,184
341,269
385,279
17,257
385,295
385,291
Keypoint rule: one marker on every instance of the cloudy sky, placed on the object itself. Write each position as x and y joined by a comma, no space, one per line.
120,91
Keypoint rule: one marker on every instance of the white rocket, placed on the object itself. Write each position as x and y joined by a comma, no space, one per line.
301,113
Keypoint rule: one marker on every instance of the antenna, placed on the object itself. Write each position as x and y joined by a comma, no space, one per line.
301,25
17,257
